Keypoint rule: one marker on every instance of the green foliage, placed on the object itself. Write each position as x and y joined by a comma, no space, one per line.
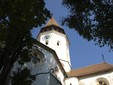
92,19
22,77
17,19
24,56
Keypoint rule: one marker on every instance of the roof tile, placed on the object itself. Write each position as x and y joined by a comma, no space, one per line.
93,69
52,21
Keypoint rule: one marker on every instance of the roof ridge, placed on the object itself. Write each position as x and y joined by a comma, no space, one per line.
93,65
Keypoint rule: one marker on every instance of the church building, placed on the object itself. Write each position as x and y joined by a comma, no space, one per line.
53,65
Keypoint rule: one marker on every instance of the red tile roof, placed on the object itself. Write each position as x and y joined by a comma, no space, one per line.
52,25
93,69
52,21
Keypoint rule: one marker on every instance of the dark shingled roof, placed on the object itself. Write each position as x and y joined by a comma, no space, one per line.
93,69
52,27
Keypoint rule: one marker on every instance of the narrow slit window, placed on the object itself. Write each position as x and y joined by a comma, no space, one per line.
58,42
46,42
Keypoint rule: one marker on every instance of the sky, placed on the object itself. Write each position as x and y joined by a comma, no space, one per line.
82,52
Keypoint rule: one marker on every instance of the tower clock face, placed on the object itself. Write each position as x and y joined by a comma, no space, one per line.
47,37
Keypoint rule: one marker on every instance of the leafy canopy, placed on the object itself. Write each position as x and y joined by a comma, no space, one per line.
17,19
92,19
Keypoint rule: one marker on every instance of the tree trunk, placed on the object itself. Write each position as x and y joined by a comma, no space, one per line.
4,74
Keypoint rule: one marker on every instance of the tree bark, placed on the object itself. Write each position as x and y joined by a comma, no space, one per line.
8,62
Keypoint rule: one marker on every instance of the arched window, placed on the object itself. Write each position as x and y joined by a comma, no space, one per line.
102,81
37,57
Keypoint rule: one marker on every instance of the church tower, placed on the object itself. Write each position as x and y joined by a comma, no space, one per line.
53,36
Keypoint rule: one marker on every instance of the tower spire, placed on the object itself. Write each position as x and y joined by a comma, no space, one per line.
52,21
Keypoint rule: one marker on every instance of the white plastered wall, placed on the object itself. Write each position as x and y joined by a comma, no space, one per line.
92,80
71,81
62,50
